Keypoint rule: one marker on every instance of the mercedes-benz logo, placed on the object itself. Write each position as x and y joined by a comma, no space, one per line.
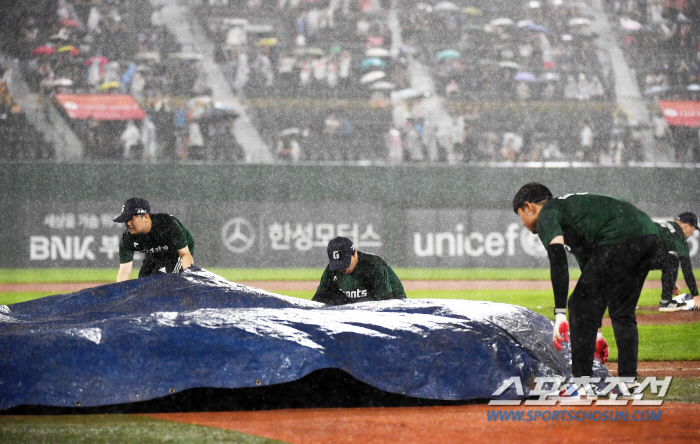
238,235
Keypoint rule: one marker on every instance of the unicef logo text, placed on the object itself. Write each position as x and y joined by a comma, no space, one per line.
459,243
238,235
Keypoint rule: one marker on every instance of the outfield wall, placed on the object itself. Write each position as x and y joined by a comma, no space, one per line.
59,215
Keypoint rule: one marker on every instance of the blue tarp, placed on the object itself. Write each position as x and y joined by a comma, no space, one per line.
150,337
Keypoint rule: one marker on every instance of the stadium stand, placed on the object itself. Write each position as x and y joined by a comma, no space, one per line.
365,80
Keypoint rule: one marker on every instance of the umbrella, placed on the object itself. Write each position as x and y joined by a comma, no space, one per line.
656,89
372,76
372,62
43,50
148,56
377,52
448,54
630,25
424,7
289,132
502,22
538,28
693,87
682,18
102,59
407,94
567,38
525,23
186,56
524,76
534,5
108,85
472,11
445,6
70,23
314,51
506,64
382,85
270,41
69,48
579,21
548,76
63,81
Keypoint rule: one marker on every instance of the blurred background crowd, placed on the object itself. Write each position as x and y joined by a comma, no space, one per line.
367,81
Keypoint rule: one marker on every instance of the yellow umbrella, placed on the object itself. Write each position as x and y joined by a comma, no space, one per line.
108,85
70,48
472,11
270,41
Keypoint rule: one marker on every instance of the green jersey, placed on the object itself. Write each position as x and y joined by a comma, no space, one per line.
672,239
167,235
588,220
371,280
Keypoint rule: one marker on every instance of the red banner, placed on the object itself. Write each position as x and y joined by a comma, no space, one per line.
681,113
101,106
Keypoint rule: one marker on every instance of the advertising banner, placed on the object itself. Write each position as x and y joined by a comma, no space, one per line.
470,238
681,113
101,106
295,234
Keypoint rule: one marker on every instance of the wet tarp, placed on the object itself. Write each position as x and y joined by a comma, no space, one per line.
147,338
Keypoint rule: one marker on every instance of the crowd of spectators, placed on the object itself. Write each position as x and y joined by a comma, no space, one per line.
660,40
20,139
113,47
283,56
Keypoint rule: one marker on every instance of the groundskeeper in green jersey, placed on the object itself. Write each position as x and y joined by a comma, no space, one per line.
589,220
353,276
673,251
614,243
167,244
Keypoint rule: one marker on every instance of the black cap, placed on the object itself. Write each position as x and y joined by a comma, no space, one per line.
689,218
132,207
340,252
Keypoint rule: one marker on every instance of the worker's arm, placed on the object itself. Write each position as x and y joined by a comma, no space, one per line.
124,271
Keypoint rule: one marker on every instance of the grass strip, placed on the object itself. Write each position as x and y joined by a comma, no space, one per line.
673,342
123,429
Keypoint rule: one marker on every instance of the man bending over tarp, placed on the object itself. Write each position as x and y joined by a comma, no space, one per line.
354,276
165,241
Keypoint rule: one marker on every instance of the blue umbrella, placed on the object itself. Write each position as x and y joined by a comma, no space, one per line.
448,54
373,62
524,76
656,89
538,28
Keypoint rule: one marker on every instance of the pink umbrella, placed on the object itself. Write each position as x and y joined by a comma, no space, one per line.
102,59
70,23
43,50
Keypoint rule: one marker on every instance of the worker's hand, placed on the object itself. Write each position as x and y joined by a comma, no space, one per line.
561,330
676,290
601,348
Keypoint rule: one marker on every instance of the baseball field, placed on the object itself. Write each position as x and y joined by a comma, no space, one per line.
668,347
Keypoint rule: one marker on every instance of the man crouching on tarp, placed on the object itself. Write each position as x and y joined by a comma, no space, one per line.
165,241
353,276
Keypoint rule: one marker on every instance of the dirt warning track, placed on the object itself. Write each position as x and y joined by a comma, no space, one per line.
675,423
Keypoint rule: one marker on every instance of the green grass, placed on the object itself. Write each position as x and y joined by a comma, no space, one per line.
674,342
682,390
96,429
